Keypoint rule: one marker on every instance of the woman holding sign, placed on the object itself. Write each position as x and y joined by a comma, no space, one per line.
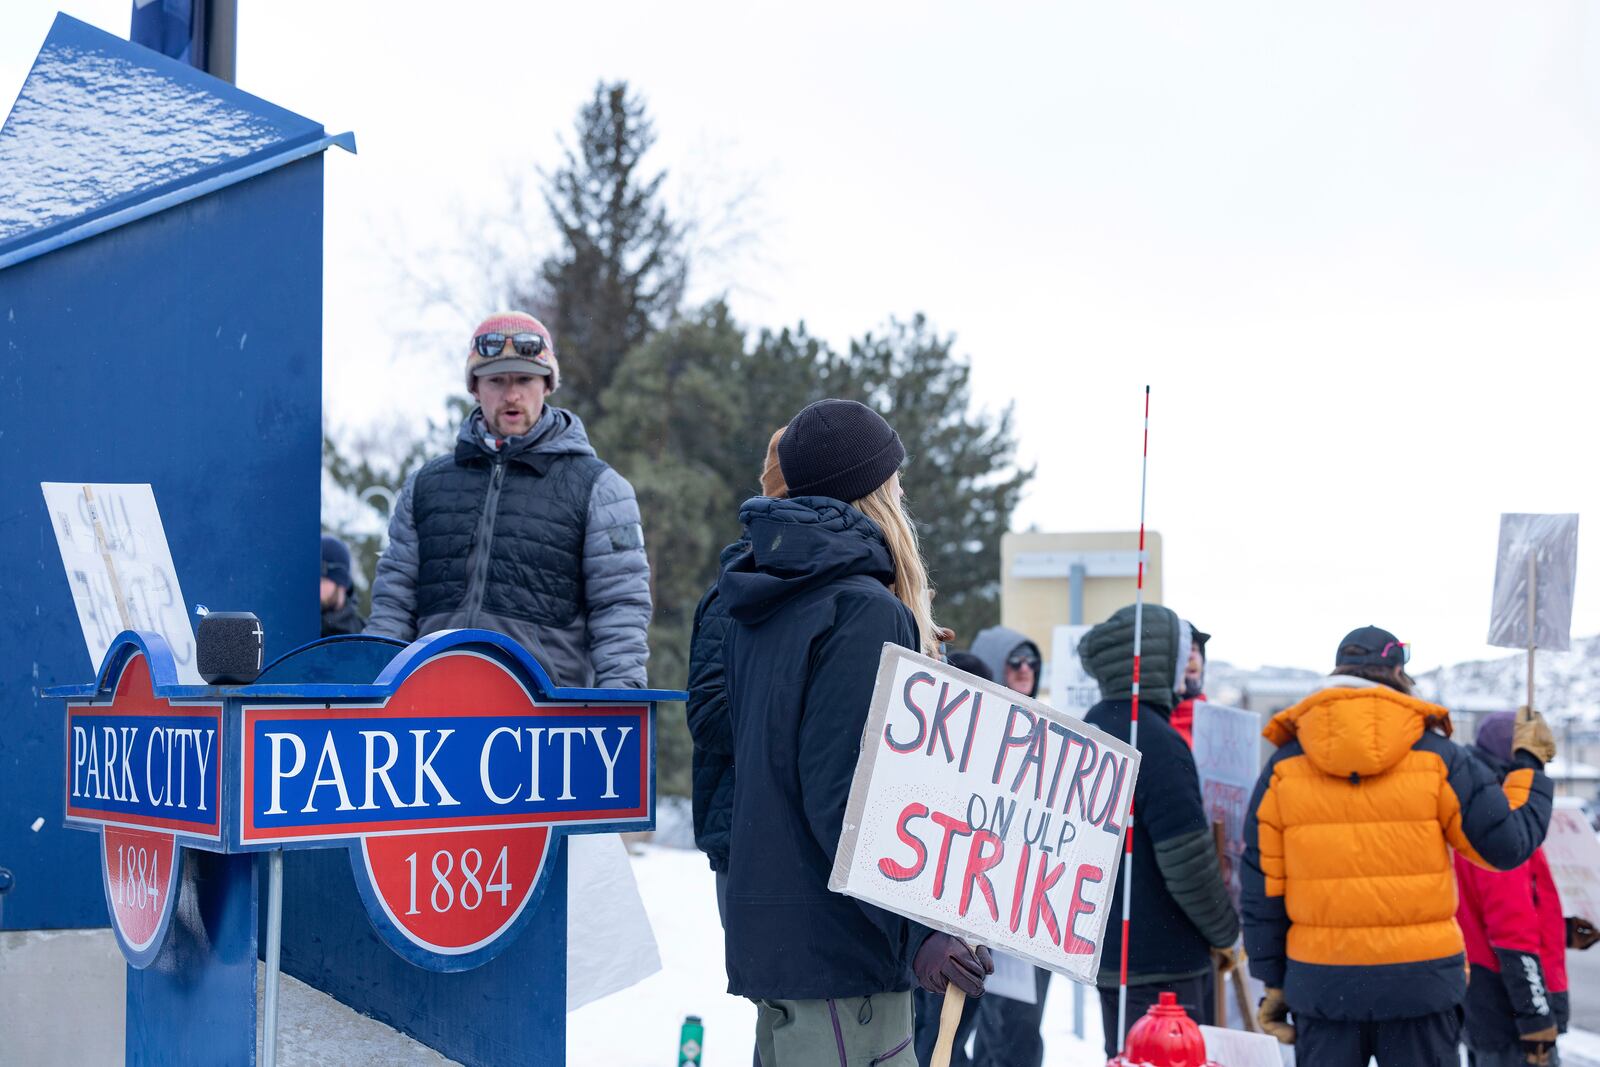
831,574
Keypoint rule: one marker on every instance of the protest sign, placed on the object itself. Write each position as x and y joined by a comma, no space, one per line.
986,814
1073,690
1012,978
1227,744
120,569
1574,855
1239,1049
1538,556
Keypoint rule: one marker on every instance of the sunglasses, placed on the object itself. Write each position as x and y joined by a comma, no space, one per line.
489,345
1016,663
1403,646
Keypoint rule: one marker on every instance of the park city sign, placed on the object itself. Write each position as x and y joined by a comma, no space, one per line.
450,779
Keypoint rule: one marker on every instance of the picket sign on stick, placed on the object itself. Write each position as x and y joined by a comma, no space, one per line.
1533,615
986,814
1541,551
1133,738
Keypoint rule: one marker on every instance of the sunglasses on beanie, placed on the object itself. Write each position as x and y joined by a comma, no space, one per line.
489,345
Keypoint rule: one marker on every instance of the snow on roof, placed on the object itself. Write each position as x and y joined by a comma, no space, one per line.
102,124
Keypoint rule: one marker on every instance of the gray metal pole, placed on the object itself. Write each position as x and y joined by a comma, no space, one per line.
1075,608
269,1014
1075,616
222,31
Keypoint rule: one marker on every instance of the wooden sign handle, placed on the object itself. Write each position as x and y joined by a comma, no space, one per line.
1219,984
949,1019
1243,997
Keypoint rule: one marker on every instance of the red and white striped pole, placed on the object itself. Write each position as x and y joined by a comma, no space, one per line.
1133,739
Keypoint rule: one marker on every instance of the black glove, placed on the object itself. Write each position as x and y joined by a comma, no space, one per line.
943,959
1581,933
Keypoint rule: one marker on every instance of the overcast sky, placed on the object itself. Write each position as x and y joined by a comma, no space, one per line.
1354,249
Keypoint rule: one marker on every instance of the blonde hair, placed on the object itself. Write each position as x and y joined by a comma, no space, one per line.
772,483
884,507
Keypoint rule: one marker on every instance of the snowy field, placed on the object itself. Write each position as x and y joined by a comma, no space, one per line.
639,1026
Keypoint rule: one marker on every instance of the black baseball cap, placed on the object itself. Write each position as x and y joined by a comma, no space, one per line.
1372,646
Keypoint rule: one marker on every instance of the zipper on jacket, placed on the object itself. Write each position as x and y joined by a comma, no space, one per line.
479,578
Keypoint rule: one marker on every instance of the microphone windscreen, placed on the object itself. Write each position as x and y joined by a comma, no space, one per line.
229,647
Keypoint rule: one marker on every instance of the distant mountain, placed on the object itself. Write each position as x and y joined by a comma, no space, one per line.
1565,683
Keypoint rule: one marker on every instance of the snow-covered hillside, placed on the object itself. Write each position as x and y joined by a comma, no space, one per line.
1565,683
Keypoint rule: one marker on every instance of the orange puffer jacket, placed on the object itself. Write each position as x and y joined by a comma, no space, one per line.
1349,895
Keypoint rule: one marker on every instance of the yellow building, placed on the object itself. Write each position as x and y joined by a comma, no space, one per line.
1038,590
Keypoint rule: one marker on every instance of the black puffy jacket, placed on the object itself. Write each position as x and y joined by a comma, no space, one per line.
709,725
1180,902
811,611
1106,652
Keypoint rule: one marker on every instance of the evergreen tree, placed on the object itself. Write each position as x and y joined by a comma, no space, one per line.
961,479
673,409
620,272
378,458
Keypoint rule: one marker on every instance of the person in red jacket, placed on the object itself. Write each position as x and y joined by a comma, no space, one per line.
1194,684
1516,943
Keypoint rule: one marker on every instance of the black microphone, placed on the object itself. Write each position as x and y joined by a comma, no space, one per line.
229,647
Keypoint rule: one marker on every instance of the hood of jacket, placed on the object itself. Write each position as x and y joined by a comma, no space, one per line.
794,546
1107,653
558,432
1355,726
995,644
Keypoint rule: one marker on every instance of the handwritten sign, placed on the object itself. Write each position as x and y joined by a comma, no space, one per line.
986,814
1073,690
1227,746
1239,1049
115,552
1574,855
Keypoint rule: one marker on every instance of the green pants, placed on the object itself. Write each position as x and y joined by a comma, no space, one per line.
870,1031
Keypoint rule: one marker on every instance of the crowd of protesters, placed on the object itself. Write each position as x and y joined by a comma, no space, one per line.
1395,901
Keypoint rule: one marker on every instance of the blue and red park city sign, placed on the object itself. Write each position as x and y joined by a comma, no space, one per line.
450,779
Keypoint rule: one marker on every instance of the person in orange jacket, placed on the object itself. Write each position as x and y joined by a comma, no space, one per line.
1349,891
1516,940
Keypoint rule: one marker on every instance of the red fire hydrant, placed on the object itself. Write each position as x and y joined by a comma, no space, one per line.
1165,1037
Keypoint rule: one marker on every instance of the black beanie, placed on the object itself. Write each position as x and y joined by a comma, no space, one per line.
840,449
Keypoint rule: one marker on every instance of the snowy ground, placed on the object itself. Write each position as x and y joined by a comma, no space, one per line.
639,1026
634,1028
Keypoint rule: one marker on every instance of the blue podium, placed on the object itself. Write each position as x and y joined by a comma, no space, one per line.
440,778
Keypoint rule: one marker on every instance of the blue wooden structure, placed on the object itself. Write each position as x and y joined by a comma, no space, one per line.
160,313
161,319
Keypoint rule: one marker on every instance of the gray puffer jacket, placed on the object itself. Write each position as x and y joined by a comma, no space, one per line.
504,545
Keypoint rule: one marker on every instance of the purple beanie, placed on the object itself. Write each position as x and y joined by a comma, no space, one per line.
1494,733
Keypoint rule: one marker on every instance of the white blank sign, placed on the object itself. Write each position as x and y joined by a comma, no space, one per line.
119,568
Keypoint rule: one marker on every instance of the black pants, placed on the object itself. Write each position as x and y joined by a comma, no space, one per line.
1426,1041
1194,997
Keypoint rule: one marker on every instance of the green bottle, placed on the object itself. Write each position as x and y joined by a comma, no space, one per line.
690,1040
